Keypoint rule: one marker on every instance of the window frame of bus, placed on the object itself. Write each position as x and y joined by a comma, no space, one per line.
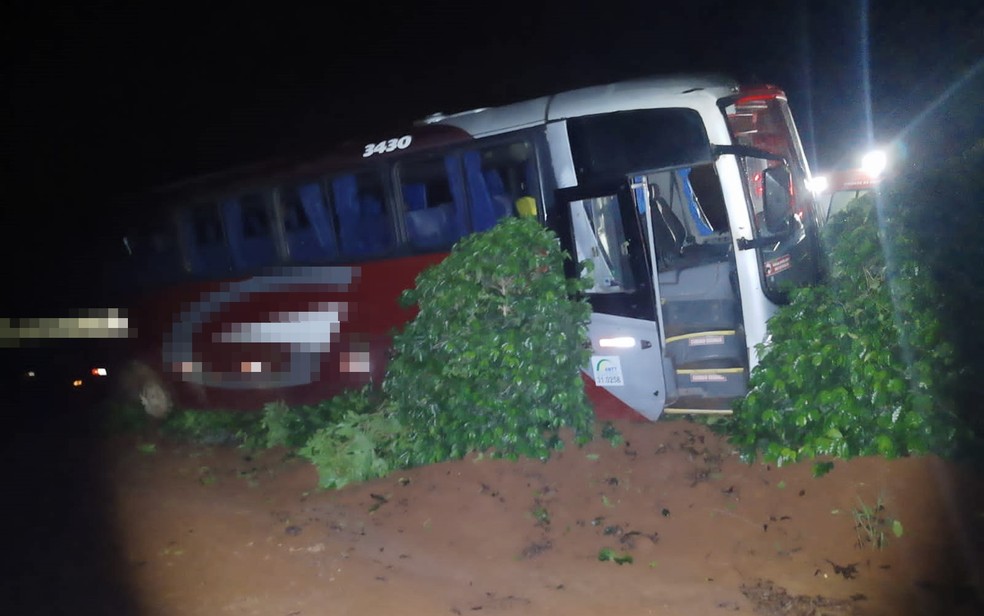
441,158
190,234
331,218
382,174
534,142
618,304
267,200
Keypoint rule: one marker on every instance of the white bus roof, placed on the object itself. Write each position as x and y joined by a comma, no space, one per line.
619,96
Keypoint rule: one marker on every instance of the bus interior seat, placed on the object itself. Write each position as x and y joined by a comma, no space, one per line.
501,203
694,279
432,227
680,251
373,225
308,231
363,226
483,209
250,235
427,226
668,232
415,196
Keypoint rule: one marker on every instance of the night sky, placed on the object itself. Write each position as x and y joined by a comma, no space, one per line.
104,99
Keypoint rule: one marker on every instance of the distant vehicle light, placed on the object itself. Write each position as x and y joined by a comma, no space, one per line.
623,342
30,374
77,383
874,163
99,372
819,184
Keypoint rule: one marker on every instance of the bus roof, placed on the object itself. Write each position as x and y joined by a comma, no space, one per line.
439,130
618,96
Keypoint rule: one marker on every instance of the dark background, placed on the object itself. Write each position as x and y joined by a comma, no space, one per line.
103,99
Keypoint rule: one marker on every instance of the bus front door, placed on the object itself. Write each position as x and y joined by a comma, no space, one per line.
601,226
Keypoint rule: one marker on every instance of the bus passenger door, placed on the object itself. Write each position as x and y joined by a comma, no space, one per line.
600,226
694,278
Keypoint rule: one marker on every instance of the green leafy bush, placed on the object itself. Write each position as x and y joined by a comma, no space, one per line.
291,427
491,361
211,427
858,366
944,204
364,442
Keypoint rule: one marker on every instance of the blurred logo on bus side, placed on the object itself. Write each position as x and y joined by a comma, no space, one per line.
259,349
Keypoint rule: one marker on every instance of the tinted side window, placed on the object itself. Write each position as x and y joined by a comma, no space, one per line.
434,200
249,231
207,249
365,225
502,182
207,225
309,226
256,217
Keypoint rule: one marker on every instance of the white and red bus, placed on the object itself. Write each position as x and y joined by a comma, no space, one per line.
689,195
843,187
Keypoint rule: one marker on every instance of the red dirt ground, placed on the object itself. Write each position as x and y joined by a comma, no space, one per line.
217,530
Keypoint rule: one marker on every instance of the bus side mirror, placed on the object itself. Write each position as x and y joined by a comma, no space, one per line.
777,198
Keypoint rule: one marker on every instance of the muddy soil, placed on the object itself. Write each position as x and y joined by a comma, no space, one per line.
668,522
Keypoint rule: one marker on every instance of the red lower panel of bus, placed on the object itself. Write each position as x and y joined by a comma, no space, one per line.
606,406
298,334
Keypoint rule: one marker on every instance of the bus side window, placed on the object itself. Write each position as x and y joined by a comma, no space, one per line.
599,237
208,253
249,231
707,207
308,225
364,223
498,179
435,203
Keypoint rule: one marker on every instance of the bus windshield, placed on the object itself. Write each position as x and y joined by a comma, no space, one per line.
614,144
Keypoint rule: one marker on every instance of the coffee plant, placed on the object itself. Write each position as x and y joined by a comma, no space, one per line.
492,360
860,365
364,441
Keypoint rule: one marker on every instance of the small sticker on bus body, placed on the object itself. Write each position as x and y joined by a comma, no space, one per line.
607,370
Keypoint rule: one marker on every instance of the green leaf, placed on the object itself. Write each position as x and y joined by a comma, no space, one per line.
897,528
822,468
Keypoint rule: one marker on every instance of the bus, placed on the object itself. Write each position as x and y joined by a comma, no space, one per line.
843,187
280,281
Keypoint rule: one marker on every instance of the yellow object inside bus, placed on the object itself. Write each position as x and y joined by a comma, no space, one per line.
526,206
